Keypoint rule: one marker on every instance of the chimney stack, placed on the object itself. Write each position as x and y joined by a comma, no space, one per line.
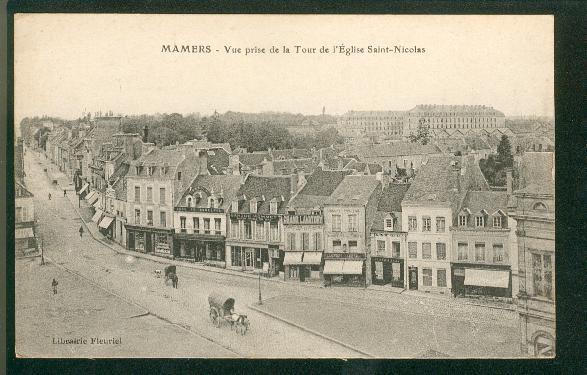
146,134
509,180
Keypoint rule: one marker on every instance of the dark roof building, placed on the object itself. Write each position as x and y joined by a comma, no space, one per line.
264,189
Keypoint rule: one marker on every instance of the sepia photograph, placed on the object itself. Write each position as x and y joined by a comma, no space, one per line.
284,186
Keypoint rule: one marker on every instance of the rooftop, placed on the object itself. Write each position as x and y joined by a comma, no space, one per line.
354,189
225,186
396,149
267,187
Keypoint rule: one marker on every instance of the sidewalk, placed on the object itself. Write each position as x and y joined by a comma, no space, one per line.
92,228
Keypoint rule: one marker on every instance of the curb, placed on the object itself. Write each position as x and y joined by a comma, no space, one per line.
325,337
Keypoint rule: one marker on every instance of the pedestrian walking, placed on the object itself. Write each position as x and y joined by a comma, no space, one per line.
54,285
174,280
64,192
49,196
81,231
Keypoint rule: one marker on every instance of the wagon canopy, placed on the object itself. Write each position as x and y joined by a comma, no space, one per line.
218,300
170,269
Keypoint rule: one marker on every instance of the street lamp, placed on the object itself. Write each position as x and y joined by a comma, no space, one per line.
42,254
260,300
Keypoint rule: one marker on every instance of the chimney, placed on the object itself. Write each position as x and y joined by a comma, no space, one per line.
509,181
146,134
456,175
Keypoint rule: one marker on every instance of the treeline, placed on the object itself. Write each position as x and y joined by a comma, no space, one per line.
166,129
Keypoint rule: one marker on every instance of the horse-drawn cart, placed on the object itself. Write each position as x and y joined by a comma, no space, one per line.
222,309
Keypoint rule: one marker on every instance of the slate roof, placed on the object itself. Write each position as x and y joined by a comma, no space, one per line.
396,149
353,190
391,197
269,187
228,185
490,201
294,153
21,191
440,108
476,143
290,166
319,185
253,159
536,173
156,157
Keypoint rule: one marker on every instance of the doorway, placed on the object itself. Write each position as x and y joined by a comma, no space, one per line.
131,240
413,273
148,243
249,259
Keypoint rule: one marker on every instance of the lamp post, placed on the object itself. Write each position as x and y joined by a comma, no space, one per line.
260,300
42,253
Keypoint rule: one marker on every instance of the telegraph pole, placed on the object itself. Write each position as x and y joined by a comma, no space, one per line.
260,300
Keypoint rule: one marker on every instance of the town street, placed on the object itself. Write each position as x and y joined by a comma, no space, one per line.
379,323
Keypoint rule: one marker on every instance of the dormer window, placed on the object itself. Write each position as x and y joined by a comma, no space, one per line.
539,206
497,222
178,176
479,221
273,208
198,198
253,206
189,201
138,170
462,220
211,202
234,207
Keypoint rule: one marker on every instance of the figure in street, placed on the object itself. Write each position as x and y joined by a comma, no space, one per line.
173,278
49,196
54,285
64,192
81,231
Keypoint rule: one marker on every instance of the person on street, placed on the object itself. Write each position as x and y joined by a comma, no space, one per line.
54,285
81,231
64,192
174,280
49,196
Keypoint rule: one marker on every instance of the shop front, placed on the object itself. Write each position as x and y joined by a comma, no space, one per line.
387,271
481,280
344,269
207,249
156,241
105,226
252,259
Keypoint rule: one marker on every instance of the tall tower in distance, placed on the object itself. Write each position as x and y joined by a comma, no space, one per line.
323,110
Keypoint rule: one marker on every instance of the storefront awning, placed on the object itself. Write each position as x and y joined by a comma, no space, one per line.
352,267
97,204
97,216
313,258
333,267
491,278
106,221
86,185
93,199
292,257
20,233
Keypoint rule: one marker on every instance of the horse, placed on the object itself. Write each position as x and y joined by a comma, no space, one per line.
241,321
173,278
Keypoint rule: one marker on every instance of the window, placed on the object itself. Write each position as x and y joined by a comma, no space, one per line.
149,217
234,207
462,220
137,216
440,251
542,275
178,176
305,241
248,230
389,223
217,226
441,277
211,202
137,194
235,256
395,249
412,223
19,216
317,241
440,224
274,231
336,245
539,206
413,249
426,224
352,245
162,219
479,221
336,223
273,208
353,223
462,252
260,230
480,252
253,206
149,194
206,225
426,250
380,247
196,222
182,223
498,254
234,232
162,197
291,241
427,277
497,221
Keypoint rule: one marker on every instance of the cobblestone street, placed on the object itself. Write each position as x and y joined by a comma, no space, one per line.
444,325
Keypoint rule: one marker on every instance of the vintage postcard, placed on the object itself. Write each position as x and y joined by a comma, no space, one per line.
284,186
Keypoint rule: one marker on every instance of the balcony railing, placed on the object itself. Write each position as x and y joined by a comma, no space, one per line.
303,220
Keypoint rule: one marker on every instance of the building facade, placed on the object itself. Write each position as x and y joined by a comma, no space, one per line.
376,125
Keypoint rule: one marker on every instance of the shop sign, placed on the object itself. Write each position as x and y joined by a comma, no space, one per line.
459,272
344,256
258,217
379,270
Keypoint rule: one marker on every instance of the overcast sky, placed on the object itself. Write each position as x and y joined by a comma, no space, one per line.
67,63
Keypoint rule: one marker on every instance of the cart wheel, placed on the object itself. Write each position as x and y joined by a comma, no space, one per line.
213,315
217,322
244,329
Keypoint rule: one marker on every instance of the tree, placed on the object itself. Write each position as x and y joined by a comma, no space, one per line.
504,152
422,133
